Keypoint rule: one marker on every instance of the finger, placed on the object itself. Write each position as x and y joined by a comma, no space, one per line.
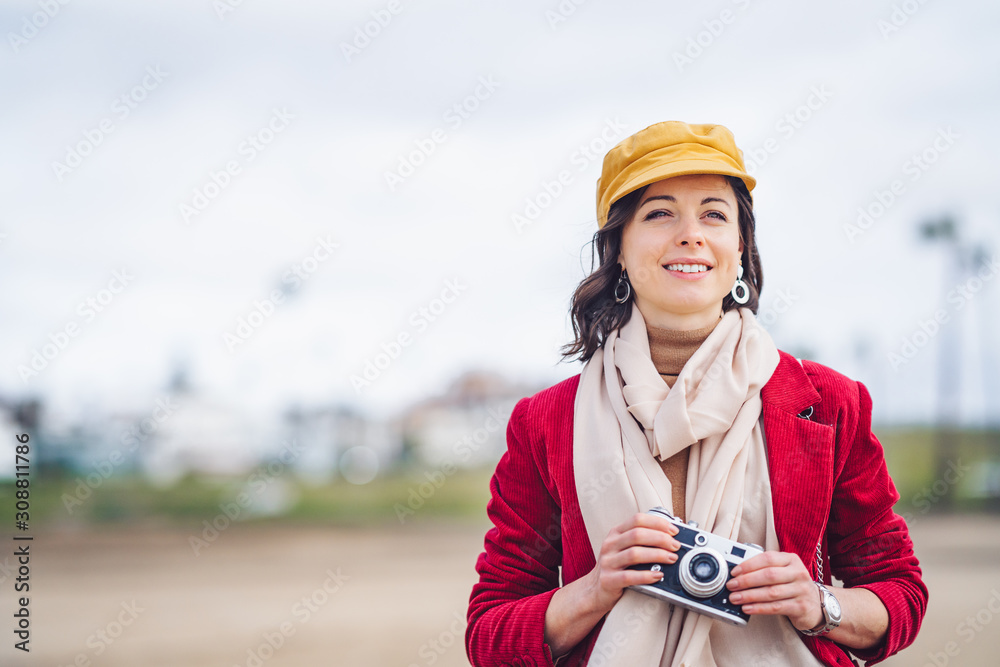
650,537
647,537
615,580
761,561
770,576
638,556
782,607
645,520
767,594
803,608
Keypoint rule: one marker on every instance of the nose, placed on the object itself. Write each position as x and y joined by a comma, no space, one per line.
689,232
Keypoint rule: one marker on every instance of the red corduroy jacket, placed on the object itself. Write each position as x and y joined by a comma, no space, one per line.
828,481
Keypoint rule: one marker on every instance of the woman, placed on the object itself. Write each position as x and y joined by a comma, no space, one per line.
685,403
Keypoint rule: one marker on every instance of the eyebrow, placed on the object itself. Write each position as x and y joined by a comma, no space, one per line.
671,198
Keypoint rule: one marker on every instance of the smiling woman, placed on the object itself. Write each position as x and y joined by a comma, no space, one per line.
685,404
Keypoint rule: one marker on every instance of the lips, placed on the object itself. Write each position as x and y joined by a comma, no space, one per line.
688,268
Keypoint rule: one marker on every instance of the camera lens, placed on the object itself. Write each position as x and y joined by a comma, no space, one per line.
704,568
703,572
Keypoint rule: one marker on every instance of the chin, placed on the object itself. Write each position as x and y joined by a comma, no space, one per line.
691,306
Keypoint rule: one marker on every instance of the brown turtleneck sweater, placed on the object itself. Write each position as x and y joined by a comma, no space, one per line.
670,350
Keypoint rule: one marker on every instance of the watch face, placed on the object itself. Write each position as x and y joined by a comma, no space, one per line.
833,606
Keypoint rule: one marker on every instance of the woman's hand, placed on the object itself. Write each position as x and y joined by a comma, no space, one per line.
778,583
578,606
645,538
775,583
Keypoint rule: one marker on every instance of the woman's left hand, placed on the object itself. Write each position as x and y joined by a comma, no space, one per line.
774,583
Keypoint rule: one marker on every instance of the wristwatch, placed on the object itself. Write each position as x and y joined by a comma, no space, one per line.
831,613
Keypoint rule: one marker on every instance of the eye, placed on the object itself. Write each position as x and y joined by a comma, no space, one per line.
717,215
656,214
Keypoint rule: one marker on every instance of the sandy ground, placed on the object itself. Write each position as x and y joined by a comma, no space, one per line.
312,596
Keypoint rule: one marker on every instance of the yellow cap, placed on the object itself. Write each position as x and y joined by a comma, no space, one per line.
663,150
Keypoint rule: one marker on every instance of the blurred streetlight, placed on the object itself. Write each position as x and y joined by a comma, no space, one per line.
962,261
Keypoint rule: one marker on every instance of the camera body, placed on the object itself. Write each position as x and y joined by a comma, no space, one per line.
697,581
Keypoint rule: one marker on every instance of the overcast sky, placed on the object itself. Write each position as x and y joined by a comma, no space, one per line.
177,163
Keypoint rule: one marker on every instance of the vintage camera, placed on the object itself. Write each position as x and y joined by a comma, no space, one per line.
697,581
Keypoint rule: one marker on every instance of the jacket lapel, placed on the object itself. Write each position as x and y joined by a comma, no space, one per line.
800,459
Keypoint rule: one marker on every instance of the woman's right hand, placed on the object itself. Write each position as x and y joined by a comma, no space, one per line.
644,538
578,606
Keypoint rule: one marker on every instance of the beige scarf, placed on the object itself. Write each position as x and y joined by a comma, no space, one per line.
625,415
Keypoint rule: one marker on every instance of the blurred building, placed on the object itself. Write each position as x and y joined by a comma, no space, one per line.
466,426
340,439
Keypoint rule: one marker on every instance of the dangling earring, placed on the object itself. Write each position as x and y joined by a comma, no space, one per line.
740,291
623,281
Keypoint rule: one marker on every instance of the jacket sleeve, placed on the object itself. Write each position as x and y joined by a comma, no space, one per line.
519,570
869,544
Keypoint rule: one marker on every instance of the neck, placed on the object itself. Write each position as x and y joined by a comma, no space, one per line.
661,319
670,349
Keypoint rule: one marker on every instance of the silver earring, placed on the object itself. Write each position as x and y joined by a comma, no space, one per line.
740,291
623,281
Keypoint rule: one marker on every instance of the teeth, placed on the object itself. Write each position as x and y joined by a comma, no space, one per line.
687,268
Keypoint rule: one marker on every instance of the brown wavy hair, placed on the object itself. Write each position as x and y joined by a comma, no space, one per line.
594,311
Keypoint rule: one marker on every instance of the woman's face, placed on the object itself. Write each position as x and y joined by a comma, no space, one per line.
681,249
